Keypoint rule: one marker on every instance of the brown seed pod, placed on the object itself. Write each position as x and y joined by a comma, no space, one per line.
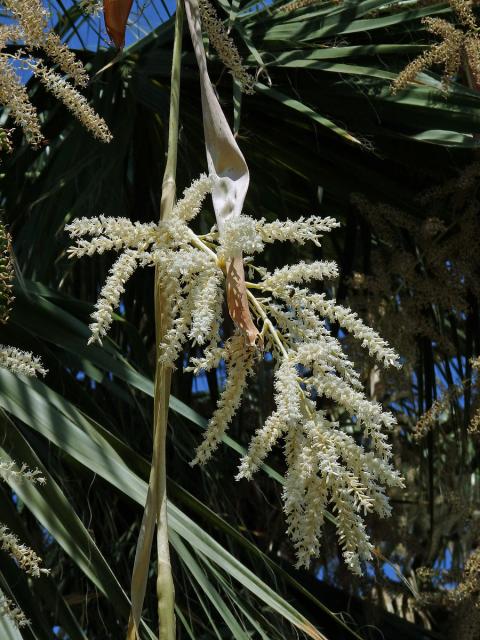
116,16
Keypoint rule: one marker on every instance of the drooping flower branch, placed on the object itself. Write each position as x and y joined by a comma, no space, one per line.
31,34
20,362
25,557
10,610
10,471
224,46
17,361
326,467
168,246
6,274
458,46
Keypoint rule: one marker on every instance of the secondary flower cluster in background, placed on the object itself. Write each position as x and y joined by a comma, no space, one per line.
31,36
24,557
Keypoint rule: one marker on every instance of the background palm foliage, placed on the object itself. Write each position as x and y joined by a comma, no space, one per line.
323,133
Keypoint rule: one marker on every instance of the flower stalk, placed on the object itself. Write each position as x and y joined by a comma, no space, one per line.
156,505
163,373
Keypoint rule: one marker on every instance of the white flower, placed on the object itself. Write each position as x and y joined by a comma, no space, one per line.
349,320
207,301
239,235
111,293
261,444
301,230
189,206
20,362
326,467
301,272
9,471
25,557
75,102
10,610
239,360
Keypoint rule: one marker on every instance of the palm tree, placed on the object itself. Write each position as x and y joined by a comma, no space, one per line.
324,132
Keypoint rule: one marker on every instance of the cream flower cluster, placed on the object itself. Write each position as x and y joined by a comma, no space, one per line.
327,468
25,558
196,299
91,7
20,362
74,101
224,46
243,233
10,471
239,361
9,610
30,29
